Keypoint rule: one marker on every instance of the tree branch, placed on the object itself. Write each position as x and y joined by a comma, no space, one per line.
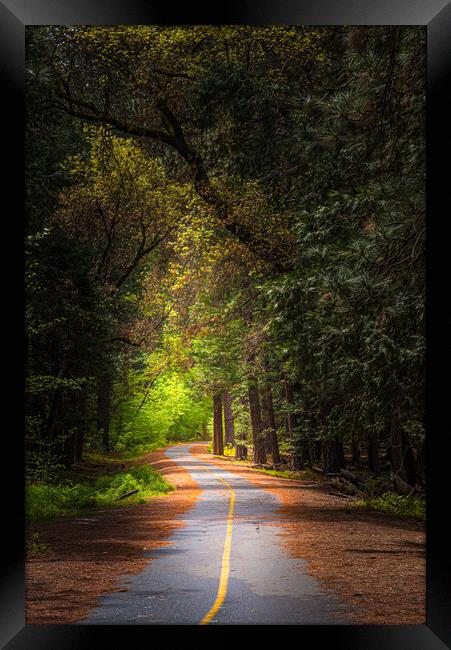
176,140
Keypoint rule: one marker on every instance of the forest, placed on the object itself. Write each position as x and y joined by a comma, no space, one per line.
225,241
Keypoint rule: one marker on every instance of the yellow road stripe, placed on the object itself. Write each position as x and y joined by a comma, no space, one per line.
225,566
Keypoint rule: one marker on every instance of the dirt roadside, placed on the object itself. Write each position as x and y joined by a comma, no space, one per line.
87,555
373,561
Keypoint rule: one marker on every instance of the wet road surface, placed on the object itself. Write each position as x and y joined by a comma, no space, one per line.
180,585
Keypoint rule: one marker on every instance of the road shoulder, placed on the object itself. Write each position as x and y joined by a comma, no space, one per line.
372,561
86,556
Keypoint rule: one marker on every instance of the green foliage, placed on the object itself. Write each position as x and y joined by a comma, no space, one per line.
42,466
46,501
147,481
35,546
229,450
349,317
226,205
303,475
395,504
152,413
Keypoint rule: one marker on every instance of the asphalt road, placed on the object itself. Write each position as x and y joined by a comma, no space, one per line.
227,565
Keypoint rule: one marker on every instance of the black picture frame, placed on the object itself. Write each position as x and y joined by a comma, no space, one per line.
436,15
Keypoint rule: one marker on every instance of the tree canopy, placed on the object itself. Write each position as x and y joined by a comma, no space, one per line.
230,213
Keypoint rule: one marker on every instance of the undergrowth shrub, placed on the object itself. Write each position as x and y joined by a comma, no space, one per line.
34,546
47,501
42,466
396,504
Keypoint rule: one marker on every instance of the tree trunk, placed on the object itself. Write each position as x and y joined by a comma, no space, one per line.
70,404
290,422
104,391
421,465
298,456
395,450
241,452
79,444
355,449
120,420
69,449
54,427
374,462
317,451
410,463
80,431
229,420
218,442
333,456
270,423
256,422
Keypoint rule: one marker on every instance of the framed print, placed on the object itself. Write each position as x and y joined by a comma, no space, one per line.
234,264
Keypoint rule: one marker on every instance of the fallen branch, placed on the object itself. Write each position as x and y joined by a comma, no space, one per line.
127,494
352,478
344,496
343,482
404,488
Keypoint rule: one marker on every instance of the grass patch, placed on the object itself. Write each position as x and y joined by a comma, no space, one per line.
116,457
99,457
49,501
396,504
302,475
